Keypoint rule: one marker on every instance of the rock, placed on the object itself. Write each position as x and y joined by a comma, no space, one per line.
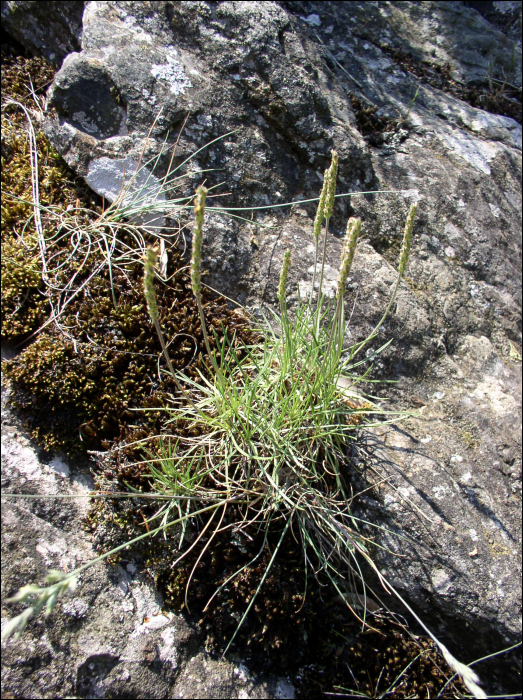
287,75
51,30
505,16
123,179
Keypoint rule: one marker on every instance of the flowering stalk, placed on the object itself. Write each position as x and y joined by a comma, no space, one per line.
317,227
282,296
404,258
349,248
329,204
347,256
407,240
196,261
148,284
331,188
283,277
37,598
152,308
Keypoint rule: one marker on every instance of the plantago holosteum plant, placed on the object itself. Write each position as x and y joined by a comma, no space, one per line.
347,256
196,261
403,261
282,293
349,248
330,191
152,308
318,222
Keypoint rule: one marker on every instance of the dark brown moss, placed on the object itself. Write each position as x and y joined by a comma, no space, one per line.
370,124
77,386
18,71
80,390
24,306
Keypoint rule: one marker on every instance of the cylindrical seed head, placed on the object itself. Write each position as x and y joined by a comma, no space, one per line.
284,274
148,283
347,256
196,259
407,239
321,206
331,187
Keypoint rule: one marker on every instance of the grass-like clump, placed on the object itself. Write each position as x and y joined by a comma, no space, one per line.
274,425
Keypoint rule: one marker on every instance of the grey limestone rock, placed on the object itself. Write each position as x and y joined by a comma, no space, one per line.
49,29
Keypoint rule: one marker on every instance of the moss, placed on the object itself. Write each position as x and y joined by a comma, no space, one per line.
77,383
387,246
370,124
469,439
416,287
80,391
24,306
16,72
